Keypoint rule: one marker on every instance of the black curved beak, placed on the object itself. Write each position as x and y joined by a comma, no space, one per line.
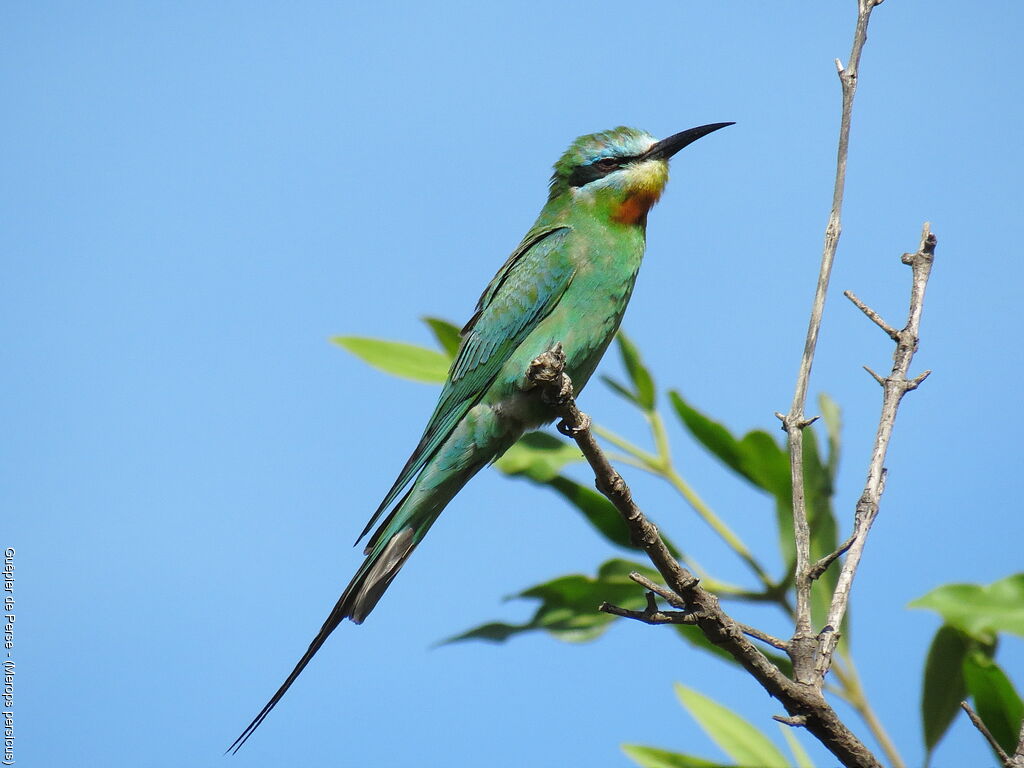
665,148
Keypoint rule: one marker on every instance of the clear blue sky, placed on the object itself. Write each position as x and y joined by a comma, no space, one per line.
197,195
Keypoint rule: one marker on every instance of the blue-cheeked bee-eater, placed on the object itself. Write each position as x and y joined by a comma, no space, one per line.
567,282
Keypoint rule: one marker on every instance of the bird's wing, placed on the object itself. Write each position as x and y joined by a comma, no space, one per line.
525,290
523,293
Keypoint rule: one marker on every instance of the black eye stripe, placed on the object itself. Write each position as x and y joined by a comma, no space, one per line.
584,174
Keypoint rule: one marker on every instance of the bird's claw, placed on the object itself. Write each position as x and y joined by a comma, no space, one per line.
573,432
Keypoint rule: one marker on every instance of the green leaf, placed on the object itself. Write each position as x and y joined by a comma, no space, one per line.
495,632
652,757
447,334
710,434
568,609
692,634
944,686
735,736
539,456
833,418
760,460
800,756
980,611
784,526
621,390
822,522
757,457
997,703
397,358
765,463
601,514
643,383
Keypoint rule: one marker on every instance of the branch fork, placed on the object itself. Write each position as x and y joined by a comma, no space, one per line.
702,608
651,614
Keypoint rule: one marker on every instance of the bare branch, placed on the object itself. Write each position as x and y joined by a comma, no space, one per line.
674,600
875,376
894,387
803,643
793,722
916,381
983,729
721,629
764,637
872,315
819,568
650,615
668,595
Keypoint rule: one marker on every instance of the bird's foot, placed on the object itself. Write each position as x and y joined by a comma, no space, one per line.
546,367
547,371
572,432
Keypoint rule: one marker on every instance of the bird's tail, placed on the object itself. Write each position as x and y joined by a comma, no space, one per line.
446,473
358,599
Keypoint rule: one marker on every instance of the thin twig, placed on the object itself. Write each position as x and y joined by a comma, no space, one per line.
984,731
547,372
895,386
648,616
793,722
875,376
675,601
819,568
666,594
872,315
622,443
629,461
915,382
803,643
764,637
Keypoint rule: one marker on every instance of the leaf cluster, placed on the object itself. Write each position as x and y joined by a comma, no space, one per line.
961,659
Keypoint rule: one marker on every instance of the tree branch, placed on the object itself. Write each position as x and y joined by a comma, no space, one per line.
679,617
800,701
667,595
803,644
984,731
873,316
651,614
819,568
894,387
764,637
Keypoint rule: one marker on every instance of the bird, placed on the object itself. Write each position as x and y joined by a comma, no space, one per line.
568,281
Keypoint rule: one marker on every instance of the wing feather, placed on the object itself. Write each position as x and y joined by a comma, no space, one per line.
522,293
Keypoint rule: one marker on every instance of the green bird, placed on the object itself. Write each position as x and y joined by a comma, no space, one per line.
568,281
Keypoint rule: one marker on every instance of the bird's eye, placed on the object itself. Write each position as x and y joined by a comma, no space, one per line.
607,164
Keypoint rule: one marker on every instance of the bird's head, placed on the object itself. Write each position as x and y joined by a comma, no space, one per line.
623,170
